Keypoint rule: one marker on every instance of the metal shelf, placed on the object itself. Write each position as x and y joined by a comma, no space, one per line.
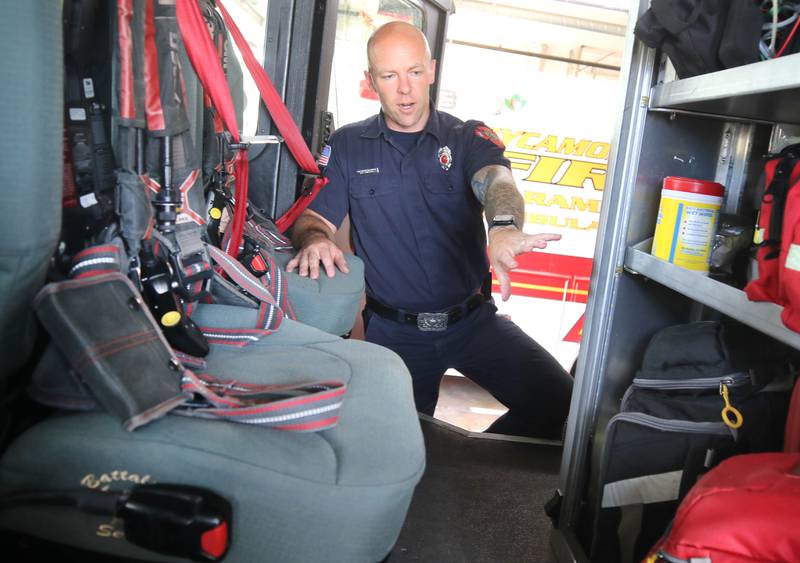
765,317
764,91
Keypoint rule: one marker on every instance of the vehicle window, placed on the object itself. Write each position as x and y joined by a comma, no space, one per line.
251,19
350,98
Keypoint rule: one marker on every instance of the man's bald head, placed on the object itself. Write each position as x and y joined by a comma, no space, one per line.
392,34
401,72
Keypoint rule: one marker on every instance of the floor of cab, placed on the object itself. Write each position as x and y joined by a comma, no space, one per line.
480,500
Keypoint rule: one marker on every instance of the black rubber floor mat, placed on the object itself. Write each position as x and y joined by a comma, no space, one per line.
480,500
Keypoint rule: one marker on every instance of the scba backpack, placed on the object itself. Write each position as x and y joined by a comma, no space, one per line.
121,313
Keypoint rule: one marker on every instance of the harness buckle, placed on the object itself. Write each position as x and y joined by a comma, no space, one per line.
430,322
307,185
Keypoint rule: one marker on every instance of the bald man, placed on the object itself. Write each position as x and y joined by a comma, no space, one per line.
416,183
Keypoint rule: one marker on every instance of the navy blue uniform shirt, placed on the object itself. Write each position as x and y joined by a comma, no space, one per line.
415,221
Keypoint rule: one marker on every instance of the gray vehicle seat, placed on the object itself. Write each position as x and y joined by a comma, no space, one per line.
336,495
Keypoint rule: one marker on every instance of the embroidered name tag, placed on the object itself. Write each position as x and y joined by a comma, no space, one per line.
368,171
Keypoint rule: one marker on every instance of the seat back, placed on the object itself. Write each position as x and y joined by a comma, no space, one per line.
31,167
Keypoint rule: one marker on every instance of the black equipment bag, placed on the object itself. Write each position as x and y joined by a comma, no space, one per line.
671,429
739,44
701,36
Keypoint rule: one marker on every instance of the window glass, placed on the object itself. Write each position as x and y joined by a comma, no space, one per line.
350,98
251,19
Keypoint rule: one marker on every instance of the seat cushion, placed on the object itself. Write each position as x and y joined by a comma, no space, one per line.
336,495
329,304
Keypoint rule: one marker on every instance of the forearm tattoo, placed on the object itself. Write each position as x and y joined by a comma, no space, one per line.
499,193
480,182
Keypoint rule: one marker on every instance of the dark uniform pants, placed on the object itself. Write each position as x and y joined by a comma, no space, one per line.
494,353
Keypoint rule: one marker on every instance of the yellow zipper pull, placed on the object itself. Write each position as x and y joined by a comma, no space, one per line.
730,414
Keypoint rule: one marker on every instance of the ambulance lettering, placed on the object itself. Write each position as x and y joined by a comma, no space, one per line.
562,179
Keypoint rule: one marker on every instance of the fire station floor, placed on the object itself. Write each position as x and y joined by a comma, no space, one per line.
464,404
481,499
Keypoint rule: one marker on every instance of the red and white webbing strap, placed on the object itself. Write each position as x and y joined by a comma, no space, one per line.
271,239
277,284
304,407
97,260
270,313
274,278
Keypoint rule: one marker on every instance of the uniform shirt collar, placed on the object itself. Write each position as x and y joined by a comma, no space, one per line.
377,125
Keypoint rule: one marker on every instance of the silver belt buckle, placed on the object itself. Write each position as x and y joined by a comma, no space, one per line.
432,321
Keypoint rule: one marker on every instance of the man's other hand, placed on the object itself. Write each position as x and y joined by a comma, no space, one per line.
318,249
505,243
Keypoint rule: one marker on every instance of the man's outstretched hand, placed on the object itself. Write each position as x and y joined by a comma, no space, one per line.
505,244
319,249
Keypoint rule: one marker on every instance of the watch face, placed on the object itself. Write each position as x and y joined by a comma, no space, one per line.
503,221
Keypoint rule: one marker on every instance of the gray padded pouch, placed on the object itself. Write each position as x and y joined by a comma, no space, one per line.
104,329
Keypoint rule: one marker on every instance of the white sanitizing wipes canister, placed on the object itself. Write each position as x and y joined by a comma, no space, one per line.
687,221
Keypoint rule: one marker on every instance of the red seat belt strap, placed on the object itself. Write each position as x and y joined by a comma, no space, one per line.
287,219
203,56
283,121
277,109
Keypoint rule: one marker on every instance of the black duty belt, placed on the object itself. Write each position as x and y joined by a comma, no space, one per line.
427,321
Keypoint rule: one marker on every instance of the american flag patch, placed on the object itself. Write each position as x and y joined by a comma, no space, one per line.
325,156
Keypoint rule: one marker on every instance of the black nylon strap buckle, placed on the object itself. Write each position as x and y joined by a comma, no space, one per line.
779,190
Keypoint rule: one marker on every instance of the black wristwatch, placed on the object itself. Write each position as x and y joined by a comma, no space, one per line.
503,221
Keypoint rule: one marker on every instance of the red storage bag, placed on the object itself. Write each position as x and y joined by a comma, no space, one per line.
767,286
777,219
744,510
790,252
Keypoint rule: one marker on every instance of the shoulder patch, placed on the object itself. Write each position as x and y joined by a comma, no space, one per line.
487,133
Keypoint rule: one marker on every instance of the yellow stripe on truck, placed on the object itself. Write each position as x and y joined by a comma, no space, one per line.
552,288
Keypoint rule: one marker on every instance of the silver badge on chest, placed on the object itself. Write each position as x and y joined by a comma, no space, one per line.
445,158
